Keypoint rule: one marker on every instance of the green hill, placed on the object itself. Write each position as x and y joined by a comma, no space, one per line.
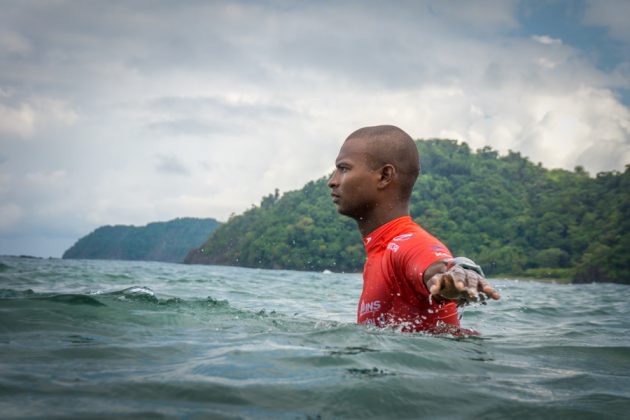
512,216
160,241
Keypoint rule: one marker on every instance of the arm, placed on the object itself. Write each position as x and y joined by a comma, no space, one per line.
458,280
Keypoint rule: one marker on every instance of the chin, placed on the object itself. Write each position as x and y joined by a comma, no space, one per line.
347,213
340,210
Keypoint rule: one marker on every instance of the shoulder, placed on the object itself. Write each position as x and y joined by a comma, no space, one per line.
413,234
417,244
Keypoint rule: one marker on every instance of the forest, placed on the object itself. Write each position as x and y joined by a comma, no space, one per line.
160,241
512,216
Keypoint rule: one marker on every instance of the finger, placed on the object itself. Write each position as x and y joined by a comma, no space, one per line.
458,276
489,290
445,288
435,284
460,284
472,281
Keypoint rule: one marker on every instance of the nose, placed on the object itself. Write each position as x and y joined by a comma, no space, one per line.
332,181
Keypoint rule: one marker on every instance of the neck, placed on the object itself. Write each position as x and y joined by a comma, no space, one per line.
380,216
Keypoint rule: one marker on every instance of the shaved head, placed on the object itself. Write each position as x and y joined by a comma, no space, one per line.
387,144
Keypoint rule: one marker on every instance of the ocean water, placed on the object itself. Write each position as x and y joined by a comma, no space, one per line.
120,339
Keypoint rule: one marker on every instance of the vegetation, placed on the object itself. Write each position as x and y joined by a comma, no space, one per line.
510,215
515,217
160,241
300,231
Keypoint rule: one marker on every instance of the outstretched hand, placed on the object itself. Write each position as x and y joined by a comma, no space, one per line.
462,285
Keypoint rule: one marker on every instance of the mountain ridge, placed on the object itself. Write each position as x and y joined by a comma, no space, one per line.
510,215
167,241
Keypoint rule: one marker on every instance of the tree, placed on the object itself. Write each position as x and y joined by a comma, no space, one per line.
512,216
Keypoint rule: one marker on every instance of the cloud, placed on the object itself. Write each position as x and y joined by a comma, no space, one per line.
593,117
17,121
546,40
119,113
24,118
612,15
46,180
171,165
207,116
12,43
486,15
10,215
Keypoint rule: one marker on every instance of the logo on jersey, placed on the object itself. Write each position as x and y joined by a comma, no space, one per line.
440,251
403,237
373,306
393,247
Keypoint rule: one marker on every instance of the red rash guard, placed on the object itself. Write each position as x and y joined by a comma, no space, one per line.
394,292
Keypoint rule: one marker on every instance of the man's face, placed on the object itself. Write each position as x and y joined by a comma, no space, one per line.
354,183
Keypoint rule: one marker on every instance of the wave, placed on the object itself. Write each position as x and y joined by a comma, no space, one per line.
141,305
131,294
158,352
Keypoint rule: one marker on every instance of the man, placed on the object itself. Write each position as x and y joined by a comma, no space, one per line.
410,279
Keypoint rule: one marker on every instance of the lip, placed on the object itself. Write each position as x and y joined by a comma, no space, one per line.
335,198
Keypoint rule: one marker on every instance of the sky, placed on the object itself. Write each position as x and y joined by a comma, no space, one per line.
130,112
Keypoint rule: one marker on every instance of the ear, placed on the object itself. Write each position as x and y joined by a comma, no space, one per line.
386,175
